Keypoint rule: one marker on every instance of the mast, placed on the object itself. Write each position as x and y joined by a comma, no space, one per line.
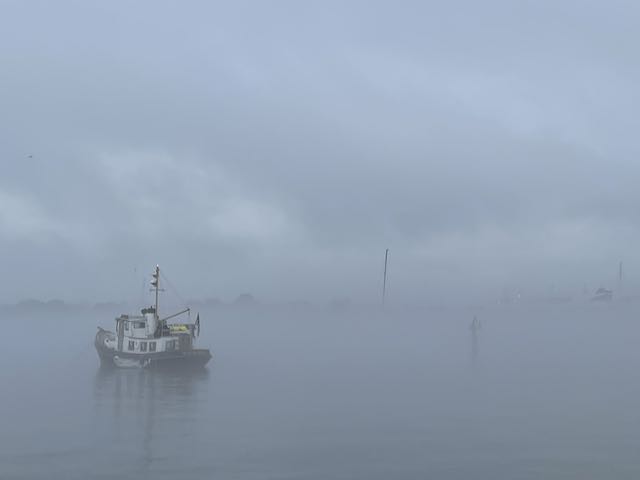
155,283
620,272
384,279
620,279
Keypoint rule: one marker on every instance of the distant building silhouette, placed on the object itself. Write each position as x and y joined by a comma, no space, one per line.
245,300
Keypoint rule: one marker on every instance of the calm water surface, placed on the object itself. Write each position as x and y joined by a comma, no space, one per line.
538,393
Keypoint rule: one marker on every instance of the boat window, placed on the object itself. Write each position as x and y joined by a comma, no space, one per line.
143,346
131,345
138,325
171,345
152,346
126,326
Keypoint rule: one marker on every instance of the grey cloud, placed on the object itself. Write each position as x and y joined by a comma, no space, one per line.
486,144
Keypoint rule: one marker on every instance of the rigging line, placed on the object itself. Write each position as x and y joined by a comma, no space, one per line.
173,289
143,290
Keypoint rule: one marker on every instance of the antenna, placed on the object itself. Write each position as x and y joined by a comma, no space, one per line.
384,279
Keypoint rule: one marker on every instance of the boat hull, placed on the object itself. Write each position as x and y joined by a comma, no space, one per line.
189,359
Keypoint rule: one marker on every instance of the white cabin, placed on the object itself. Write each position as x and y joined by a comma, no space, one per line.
144,334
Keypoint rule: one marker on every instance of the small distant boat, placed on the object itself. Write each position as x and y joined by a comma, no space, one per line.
602,295
149,341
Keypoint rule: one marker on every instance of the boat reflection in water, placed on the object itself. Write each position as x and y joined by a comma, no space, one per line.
146,419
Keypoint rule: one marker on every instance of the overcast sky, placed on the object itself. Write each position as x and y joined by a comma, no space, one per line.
278,148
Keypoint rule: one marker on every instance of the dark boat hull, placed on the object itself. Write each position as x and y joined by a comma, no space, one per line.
189,359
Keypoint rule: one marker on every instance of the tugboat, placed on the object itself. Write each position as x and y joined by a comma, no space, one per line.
148,341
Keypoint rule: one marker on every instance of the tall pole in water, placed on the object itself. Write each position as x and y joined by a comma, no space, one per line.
620,278
384,279
620,272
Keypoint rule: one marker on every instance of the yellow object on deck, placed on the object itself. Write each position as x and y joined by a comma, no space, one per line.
177,328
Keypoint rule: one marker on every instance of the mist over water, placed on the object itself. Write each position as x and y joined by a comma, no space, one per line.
542,392
273,153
